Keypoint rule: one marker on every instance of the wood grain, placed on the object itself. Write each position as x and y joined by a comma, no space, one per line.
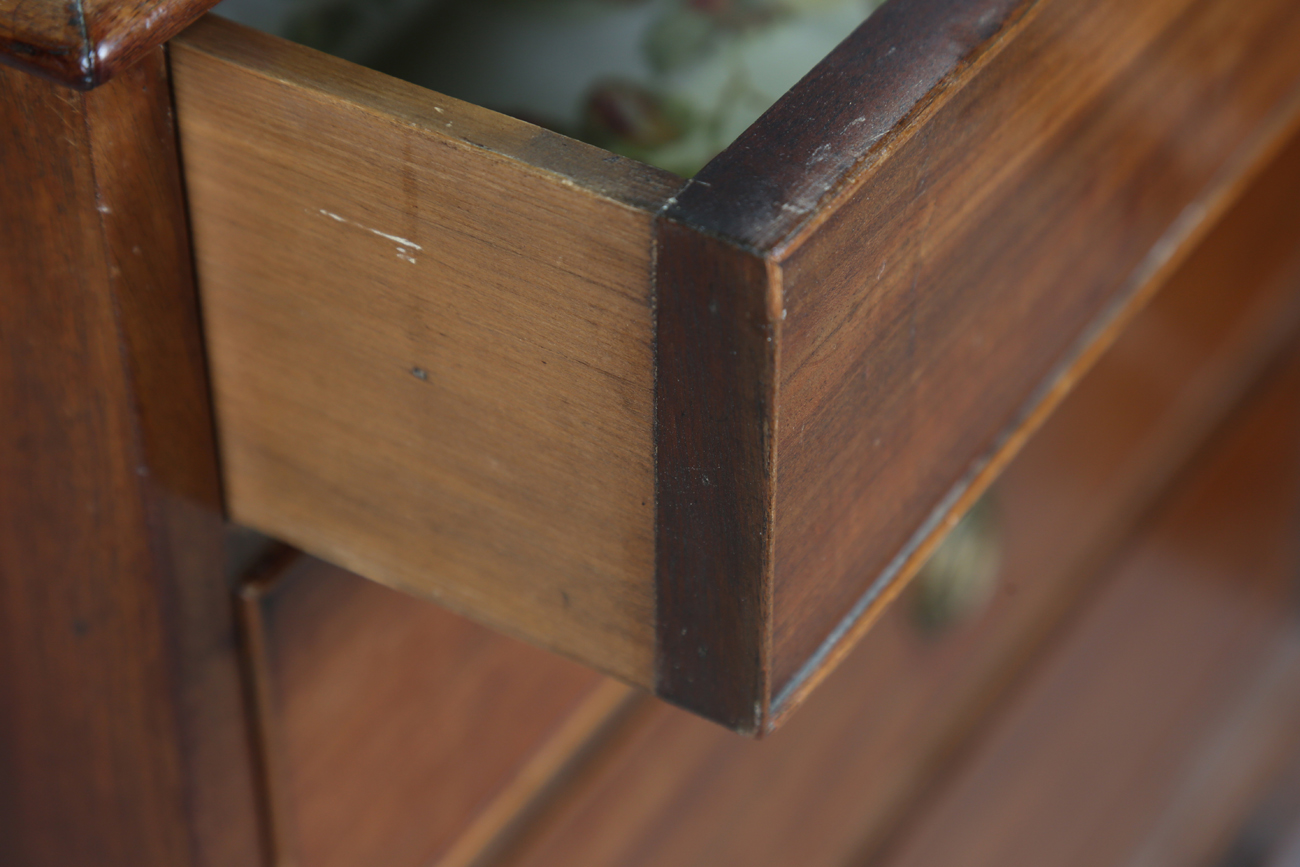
402,734
719,331
935,289
720,514
123,735
1197,619
713,555
842,772
430,333
84,43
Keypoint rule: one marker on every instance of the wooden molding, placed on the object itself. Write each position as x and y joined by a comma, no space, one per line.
84,43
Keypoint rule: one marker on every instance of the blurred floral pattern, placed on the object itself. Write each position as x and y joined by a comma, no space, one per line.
668,82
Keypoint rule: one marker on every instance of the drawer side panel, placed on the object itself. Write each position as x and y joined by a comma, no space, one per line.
430,334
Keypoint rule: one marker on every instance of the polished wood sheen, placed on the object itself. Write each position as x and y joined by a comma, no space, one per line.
843,771
698,435
123,735
401,734
1198,622
930,290
84,43
430,332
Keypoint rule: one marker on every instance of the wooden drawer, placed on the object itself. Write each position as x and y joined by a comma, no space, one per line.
1165,708
697,433
1173,701
387,711
396,732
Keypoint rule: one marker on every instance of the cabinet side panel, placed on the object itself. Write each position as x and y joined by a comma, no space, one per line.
123,732
431,357
965,279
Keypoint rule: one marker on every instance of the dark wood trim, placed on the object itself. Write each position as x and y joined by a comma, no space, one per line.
124,738
84,43
773,179
719,313
715,405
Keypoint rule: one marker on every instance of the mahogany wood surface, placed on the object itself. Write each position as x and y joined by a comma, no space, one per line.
400,733
720,313
713,529
430,333
1198,617
84,43
123,730
934,287
841,773
698,437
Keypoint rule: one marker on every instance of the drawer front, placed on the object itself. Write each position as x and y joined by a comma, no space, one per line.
697,433
1172,701
397,733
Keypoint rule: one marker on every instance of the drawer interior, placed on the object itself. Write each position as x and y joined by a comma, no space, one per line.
667,82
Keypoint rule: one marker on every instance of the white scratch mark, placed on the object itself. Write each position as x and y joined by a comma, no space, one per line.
396,238
435,108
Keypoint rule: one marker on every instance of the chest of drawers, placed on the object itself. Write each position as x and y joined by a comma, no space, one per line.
696,434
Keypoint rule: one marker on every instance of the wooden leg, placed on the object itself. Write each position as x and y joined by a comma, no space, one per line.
123,730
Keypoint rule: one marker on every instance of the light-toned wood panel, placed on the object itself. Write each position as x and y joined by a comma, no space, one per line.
430,334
